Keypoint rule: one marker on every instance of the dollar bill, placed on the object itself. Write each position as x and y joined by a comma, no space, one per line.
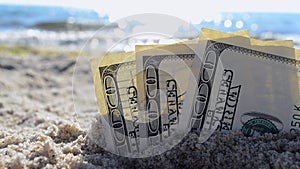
115,86
239,88
163,81
242,38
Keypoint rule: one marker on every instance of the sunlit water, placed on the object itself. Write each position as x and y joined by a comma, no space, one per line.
71,28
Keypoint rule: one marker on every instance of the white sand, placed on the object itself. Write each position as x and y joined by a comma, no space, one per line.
40,129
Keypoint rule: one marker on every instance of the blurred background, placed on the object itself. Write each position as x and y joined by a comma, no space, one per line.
45,28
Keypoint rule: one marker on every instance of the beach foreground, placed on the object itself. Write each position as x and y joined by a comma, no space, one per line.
40,129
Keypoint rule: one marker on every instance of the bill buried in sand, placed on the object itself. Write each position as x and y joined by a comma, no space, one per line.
224,94
115,82
256,94
162,84
160,93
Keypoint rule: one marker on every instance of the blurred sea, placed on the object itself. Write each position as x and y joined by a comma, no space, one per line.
47,17
70,27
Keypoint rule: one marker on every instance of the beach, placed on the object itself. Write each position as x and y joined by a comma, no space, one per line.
49,116
40,128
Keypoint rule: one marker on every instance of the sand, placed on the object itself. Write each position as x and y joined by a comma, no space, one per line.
44,123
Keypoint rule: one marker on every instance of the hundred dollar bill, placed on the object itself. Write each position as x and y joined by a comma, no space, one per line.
279,47
239,88
163,80
115,86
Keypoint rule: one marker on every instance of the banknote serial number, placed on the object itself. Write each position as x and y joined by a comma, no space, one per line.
295,122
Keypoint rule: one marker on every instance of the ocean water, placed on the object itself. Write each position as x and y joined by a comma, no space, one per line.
61,26
14,17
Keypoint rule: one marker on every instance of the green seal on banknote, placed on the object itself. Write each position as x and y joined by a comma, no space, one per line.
260,123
